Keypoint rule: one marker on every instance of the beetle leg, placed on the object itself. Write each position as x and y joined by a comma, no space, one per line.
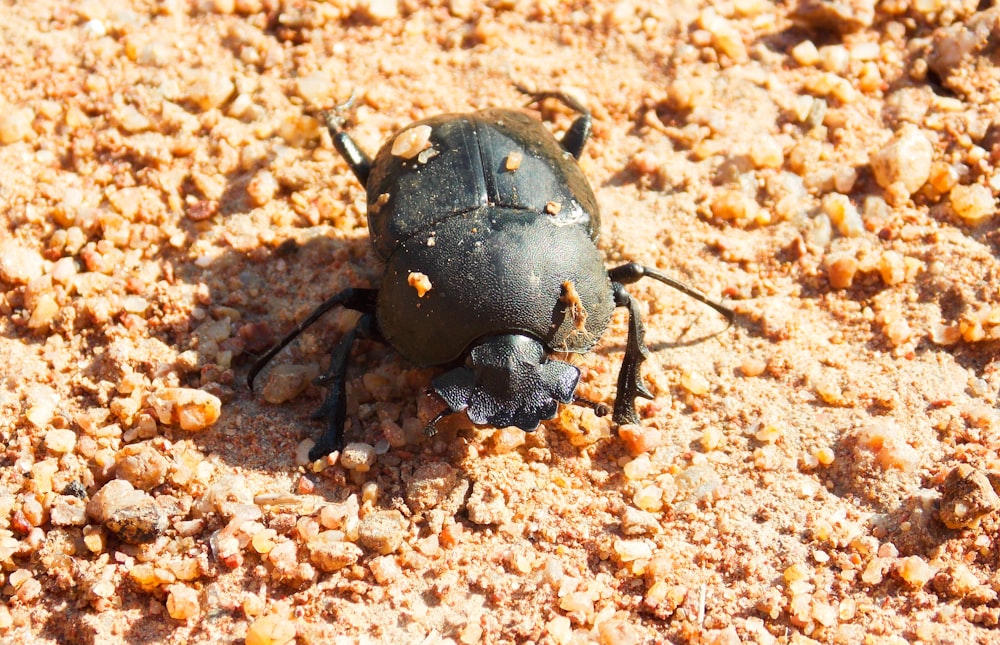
359,162
362,300
630,385
633,272
576,136
334,408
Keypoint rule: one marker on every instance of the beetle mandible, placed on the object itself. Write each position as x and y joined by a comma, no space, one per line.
488,230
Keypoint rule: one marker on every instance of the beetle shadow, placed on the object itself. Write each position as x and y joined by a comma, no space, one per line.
681,341
65,623
264,295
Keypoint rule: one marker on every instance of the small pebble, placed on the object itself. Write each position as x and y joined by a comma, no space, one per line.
639,468
430,485
649,498
506,440
768,434
905,160
753,367
330,552
945,334
411,142
956,581
131,514
837,16
208,90
824,456
272,629
60,441
578,601
638,522
843,214
631,550
67,510
262,188
766,152
914,571
805,53
973,203
695,383
725,37
898,331
358,456
840,271
315,88
734,206
966,497
16,124
639,439
892,267
182,602
711,438
382,531
380,10
189,408
559,629
286,381
142,465
420,283
19,264
385,569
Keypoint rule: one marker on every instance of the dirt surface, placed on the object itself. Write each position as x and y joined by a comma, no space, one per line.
823,469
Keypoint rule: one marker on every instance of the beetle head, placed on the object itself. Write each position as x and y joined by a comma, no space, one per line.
508,381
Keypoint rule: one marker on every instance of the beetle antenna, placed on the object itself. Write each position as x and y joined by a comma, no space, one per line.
431,428
600,409
632,272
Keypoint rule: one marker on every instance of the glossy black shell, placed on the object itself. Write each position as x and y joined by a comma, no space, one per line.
498,241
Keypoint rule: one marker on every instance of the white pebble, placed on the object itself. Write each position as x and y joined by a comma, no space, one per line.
60,440
905,160
358,456
15,125
973,203
19,264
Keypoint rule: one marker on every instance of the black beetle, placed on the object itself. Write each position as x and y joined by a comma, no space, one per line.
488,231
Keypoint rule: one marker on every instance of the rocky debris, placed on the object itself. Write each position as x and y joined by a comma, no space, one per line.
132,515
967,496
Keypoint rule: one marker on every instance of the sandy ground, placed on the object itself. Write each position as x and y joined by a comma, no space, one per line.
821,470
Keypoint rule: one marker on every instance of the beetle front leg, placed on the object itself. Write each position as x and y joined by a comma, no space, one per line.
334,408
630,384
